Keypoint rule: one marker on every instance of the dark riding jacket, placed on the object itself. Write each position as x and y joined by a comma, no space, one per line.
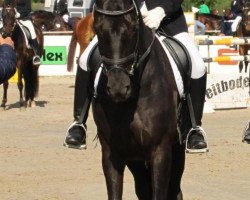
23,7
60,7
174,22
7,62
237,7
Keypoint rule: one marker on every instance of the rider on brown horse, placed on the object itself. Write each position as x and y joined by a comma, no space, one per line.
61,8
23,10
168,15
236,8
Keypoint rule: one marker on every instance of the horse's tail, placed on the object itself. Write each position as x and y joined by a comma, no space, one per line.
31,78
71,53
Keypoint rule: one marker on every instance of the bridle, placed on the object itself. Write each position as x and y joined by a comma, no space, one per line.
3,32
110,64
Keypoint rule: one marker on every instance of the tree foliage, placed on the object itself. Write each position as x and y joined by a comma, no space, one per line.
212,4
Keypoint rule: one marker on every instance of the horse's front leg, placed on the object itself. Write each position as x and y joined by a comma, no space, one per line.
113,170
5,88
20,88
20,85
161,161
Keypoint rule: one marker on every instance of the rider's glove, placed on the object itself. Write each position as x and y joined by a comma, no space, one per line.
154,17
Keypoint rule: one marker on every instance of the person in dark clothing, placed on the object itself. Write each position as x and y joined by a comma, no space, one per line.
236,8
168,16
226,23
61,8
8,59
23,9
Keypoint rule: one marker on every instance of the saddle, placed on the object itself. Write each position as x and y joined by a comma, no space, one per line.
181,58
174,47
26,33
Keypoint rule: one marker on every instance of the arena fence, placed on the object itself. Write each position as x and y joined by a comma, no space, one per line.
224,41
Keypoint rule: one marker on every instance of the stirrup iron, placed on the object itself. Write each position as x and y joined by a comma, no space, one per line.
204,150
244,133
82,146
36,63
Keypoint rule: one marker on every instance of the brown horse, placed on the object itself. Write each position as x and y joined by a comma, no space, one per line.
48,21
83,33
212,22
244,31
25,66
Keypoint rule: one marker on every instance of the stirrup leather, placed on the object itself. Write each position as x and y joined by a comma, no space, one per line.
244,133
83,146
204,150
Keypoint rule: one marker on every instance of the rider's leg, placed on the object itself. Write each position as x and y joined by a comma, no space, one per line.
235,24
197,138
76,134
33,42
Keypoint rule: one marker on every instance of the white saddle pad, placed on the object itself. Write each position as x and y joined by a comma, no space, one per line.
83,62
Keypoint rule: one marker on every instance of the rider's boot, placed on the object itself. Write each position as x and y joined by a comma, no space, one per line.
246,134
76,134
196,141
35,46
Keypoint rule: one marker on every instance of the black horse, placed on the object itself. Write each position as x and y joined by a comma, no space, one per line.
26,69
136,105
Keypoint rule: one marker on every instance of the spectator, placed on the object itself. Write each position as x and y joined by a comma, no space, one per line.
7,59
203,8
199,28
215,12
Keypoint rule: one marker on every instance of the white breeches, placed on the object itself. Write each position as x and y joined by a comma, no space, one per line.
29,25
235,24
198,65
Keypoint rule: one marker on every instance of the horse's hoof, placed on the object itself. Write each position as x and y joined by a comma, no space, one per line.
31,104
23,105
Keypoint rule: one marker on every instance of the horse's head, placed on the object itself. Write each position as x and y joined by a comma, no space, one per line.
8,17
116,26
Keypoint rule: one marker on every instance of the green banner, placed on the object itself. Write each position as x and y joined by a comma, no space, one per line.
54,55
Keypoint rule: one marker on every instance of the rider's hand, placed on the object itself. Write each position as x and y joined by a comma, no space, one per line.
7,41
154,17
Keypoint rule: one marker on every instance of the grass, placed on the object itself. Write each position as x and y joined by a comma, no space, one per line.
37,6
